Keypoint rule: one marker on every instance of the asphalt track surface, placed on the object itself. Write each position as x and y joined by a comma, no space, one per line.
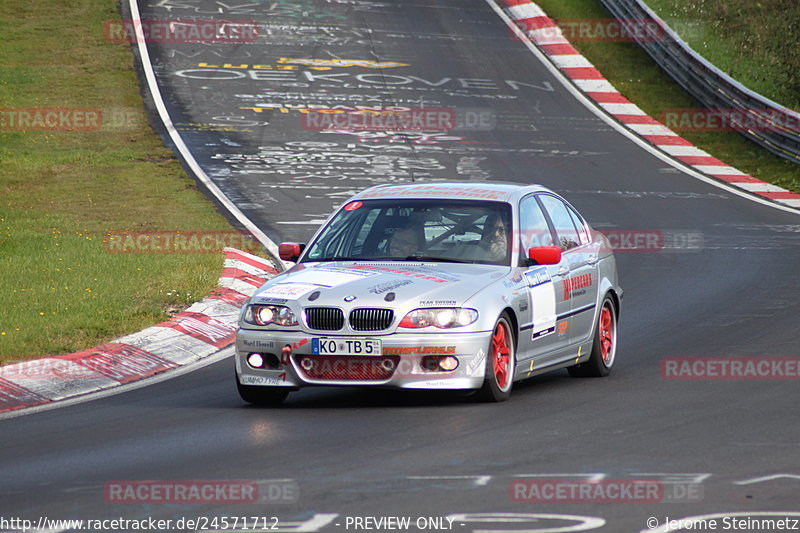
358,453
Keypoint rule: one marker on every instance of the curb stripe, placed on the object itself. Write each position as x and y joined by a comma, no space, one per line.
737,179
637,119
571,61
249,259
559,49
608,98
583,73
782,195
241,275
227,295
660,140
13,396
699,159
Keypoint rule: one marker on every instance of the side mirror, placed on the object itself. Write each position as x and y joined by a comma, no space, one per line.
544,255
290,251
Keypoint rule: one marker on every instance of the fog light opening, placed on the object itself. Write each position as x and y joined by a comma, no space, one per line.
306,363
255,360
448,363
271,361
439,363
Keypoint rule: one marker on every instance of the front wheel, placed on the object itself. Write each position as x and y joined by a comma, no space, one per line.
261,395
500,362
604,348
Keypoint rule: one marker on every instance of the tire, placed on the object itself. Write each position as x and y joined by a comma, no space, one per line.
604,347
261,395
500,362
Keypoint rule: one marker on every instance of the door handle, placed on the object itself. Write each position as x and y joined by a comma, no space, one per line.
563,271
593,259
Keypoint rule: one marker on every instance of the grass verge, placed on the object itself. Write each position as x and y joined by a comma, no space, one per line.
640,80
756,43
62,192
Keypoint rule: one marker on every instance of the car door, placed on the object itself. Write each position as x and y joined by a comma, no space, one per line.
545,328
584,291
580,284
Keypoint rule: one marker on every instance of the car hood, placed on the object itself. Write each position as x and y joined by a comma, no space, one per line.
379,283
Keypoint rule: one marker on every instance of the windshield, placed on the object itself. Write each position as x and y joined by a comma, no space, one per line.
416,230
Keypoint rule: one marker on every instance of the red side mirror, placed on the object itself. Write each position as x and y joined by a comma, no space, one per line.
545,255
290,251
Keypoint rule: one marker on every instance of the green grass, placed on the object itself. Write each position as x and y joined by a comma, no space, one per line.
61,192
639,79
755,42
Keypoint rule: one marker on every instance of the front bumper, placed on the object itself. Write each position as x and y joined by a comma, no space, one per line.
400,366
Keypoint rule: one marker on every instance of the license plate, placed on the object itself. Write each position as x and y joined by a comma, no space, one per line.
346,346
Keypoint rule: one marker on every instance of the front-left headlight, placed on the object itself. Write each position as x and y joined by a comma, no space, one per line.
264,315
441,317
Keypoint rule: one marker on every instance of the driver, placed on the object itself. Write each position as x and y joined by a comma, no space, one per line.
495,237
404,242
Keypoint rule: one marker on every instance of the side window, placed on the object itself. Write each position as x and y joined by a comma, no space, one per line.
534,230
562,220
583,233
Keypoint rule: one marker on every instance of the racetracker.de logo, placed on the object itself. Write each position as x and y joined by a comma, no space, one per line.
201,492
593,30
176,242
727,120
731,368
386,119
653,241
181,31
50,119
545,490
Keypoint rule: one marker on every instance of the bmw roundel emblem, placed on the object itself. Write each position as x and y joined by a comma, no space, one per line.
349,298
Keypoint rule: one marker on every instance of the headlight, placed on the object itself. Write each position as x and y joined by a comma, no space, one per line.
264,315
443,317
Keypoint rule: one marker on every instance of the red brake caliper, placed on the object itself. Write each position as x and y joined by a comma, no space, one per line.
606,335
500,355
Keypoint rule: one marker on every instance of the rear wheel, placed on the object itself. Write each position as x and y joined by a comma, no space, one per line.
500,363
261,395
604,348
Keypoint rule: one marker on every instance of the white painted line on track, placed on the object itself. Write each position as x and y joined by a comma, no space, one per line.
181,146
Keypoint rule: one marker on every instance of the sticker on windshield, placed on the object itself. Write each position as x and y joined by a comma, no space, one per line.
543,295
